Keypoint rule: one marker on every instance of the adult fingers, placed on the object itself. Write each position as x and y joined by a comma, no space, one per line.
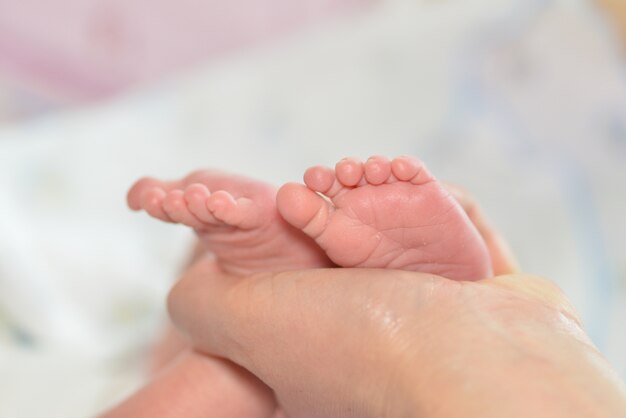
502,259
307,334
339,338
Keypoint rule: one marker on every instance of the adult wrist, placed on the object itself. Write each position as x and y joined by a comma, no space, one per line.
488,362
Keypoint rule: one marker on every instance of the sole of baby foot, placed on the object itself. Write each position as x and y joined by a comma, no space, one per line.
386,214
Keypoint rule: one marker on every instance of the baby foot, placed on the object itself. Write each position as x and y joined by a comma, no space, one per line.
235,218
386,214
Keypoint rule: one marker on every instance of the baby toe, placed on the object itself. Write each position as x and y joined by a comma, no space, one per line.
377,170
220,204
303,208
349,171
197,196
175,206
405,168
319,178
152,203
134,195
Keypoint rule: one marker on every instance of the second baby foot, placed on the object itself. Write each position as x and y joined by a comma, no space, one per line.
235,217
386,214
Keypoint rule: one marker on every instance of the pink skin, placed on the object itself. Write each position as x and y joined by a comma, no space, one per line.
381,214
386,214
378,214
235,218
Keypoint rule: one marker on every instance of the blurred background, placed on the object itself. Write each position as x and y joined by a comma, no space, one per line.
523,102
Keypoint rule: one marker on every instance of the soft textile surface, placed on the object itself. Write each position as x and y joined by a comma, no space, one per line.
58,52
519,101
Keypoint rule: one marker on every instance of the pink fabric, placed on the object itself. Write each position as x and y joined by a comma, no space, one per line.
91,48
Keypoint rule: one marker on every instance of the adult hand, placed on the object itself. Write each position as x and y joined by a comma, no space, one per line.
374,343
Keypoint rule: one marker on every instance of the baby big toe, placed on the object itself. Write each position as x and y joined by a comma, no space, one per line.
303,208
